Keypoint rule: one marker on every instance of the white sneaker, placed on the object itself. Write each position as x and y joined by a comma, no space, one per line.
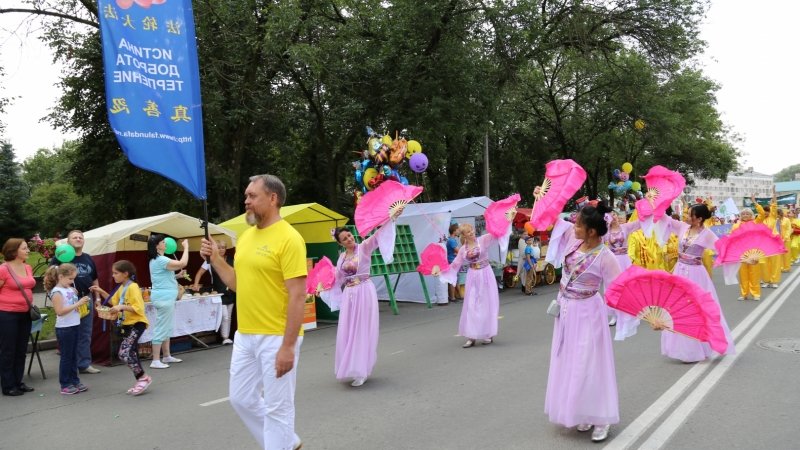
774,286
158,365
740,298
584,427
468,344
227,342
600,433
358,382
612,321
171,359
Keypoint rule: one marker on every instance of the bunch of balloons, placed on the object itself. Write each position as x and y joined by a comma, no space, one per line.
384,157
623,182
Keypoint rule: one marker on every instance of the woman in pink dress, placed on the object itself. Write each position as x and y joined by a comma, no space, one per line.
356,297
617,241
481,300
693,239
582,382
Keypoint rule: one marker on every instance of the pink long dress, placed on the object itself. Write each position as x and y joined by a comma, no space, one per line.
690,266
479,313
582,382
617,242
358,330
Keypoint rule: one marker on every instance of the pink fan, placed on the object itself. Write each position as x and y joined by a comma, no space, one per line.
669,302
663,186
562,179
378,206
433,260
321,277
499,214
750,240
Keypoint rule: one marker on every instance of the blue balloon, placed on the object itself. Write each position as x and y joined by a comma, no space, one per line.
612,185
616,173
628,184
365,163
404,180
359,177
387,171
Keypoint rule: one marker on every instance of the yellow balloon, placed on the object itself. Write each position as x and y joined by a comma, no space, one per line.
413,147
619,183
627,167
387,140
368,175
639,124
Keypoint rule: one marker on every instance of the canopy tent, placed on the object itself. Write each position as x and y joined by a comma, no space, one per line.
131,235
429,224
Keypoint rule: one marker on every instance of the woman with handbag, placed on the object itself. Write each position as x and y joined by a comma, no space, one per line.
16,306
582,380
163,296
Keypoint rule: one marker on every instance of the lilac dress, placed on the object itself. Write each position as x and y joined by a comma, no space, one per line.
690,266
617,242
481,307
582,382
357,331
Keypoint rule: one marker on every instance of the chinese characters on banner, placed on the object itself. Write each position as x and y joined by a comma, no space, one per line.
153,87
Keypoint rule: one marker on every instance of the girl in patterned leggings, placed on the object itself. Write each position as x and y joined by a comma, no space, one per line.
128,302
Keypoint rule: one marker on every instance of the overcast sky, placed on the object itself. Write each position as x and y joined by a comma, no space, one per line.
751,53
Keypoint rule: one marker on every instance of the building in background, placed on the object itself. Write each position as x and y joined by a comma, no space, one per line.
738,186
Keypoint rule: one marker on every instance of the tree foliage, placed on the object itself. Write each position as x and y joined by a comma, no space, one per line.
788,173
13,194
289,86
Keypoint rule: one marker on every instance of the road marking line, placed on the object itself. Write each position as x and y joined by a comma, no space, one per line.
667,428
214,402
634,431
397,352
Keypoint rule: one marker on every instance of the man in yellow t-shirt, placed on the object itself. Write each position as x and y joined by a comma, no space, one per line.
269,277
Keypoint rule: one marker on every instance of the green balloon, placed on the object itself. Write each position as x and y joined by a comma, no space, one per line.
65,253
636,186
170,246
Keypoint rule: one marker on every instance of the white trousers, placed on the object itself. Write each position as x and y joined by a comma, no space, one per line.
269,415
225,325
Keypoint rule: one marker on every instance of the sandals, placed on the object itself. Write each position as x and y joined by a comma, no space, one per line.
140,386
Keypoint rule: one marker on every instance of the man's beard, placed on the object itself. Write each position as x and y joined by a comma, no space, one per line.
252,218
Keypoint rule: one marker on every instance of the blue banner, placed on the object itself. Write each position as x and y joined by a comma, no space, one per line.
153,87
721,230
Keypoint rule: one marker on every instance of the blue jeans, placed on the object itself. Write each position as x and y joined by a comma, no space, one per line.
68,367
85,341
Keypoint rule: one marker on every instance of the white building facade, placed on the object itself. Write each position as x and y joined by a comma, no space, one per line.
738,186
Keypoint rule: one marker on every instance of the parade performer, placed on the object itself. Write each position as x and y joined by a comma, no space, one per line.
771,271
694,240
750,271
786,235
795,242
582,385
355,294
617,241
481,300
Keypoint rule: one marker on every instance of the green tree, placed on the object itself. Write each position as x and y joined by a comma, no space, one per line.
13,194
788,174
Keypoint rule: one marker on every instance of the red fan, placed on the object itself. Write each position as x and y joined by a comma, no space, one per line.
433,260
669,302
562,179
378,206
321,277
750,240
499,214
663,186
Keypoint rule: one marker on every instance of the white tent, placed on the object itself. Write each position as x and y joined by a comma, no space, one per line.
131,235
429,223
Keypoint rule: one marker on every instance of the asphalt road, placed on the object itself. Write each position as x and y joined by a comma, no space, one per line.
429,393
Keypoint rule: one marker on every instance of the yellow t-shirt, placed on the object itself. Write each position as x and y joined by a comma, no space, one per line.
133,298
264,259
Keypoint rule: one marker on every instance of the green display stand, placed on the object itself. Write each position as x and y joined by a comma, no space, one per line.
406,260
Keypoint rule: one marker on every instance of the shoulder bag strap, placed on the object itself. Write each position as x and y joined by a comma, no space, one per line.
19,285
